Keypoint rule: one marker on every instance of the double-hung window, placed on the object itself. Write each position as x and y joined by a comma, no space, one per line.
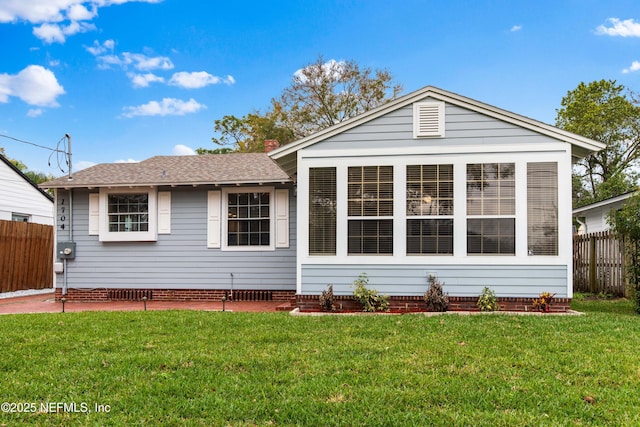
491,208
248,219
370,210
128,214
430,209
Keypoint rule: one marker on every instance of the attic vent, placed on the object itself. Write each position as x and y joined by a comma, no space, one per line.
428,120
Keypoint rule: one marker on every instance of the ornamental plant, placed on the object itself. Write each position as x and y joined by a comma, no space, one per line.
487,301
435,298
543,302
326,300
369,298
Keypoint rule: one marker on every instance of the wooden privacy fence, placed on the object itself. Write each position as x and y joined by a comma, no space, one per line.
26,256
599,264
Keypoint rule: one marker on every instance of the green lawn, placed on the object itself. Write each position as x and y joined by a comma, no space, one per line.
213,368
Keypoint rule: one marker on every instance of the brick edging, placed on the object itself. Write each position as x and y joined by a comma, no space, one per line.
401,304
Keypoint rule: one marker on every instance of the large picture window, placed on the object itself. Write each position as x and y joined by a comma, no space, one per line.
491,208
429,209
542,208
322,211
128,212
249,219
370,210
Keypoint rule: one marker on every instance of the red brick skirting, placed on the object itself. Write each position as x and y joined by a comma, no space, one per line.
409,304
104,294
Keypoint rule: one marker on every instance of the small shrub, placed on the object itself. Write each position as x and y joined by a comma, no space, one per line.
435,298
487,301
326,300
543,302
369,298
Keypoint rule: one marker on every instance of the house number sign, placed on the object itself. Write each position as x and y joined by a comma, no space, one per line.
63,211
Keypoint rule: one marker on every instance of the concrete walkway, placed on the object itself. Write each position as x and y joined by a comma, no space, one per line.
44,303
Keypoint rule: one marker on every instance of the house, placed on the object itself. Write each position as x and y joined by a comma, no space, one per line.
21,199
430,184
593,217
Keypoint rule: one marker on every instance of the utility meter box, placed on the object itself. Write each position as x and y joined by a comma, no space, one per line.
66,250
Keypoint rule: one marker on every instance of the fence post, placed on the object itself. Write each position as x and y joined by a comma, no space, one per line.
592,264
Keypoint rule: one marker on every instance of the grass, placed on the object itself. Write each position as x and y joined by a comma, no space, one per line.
213,368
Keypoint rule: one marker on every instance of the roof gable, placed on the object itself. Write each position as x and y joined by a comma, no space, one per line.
24,177
581,146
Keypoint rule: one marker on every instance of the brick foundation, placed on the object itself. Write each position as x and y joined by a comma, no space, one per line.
104,294
412,304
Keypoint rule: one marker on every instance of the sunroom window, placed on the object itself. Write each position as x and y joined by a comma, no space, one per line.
491,208
429,209
370,210
322,211
542,208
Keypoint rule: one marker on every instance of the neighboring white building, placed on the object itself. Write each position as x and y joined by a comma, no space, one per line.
21,199
593,217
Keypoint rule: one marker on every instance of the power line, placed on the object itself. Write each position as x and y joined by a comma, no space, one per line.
35,145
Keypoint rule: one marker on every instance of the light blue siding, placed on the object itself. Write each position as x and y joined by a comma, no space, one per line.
462,128
180,260
459,280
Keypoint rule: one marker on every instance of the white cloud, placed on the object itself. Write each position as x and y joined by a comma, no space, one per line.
626,28
635,66
99,49
34,112
183,150
138,61
198,79
127,161
51,13
331,68
144,80
83,164
50,33
515,28
35,85
166,107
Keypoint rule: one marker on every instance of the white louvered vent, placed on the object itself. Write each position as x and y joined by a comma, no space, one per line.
428,120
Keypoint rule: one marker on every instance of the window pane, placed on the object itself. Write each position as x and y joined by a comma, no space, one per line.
370,236
542,208
429,190
491,189
128,212
322,211
491,236
429,236
248,219
370,191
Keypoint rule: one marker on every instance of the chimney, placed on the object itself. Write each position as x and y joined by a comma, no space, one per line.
270,145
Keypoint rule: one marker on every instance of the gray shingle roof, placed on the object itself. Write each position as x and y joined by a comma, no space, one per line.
234,168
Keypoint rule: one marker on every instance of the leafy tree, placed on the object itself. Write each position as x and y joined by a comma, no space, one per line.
320,95
247,134
626,222
600,110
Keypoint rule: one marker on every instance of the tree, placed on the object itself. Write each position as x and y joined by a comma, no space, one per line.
36,177
320,95
247,134
626,222
602,111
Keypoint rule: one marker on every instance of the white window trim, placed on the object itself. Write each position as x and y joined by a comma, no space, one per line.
136,236
225,223
428,119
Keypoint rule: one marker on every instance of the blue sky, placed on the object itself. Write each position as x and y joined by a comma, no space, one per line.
129,80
